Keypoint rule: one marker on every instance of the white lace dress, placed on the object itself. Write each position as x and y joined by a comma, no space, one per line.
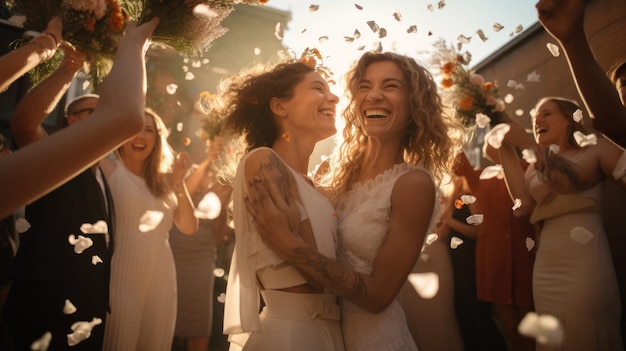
363,221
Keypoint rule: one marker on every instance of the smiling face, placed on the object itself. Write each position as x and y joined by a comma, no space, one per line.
142,145
382,100
311,110
551,125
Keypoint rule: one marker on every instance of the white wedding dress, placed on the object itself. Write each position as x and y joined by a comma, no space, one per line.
363,221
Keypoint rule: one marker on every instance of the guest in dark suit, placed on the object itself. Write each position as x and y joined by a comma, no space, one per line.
61,270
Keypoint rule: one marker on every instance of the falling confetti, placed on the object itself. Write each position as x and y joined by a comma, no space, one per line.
519,112
497,27
581,235
86,85
425,284
81,331
482,35
373,26
69,307
517,203
322,39
150,220
221,298
96,228
546,329
585,140
412,29
495,136
554,50
196,63
509,98
356,34
468,199
179,127
463,39
578,116
203,10
358,7
533,77
377,47
279,31
382,32
511,83
22,225
348,39
519,29
42,343
529,156
189,76
441,4
554,148
80,243
397,15
475,219
482,120
458,204
455,242
219,272
430,7
493,171
209,207
314,8
95,259
530,243
431,238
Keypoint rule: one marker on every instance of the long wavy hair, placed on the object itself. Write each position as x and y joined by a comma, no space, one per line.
246,106
157,167
567,107
429,140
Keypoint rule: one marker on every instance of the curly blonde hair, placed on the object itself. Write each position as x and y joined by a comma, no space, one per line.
427,141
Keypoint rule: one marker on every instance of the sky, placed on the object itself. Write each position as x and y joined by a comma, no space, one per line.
336,19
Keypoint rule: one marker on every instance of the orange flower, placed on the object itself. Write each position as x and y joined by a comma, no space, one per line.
448,69
466,103
447,82
117,18
488,86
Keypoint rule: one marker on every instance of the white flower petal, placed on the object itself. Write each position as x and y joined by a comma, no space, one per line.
482,35
495,136
425,284
95,259
150,220
468,199
585,140
509,98
493,171
581,235
455,242
463,39
22,225
482,120
431,238
511,83
219,272
42,343
519,112
533,77
189,76
555,149
209,207
100,227
69,307
546,329
497,27
221,298
554,50
530,243
80,243
529,156
171,88
516,204
279,31
81,331
475,219
578,116
202,10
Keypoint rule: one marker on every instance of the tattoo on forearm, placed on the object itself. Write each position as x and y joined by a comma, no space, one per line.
333,275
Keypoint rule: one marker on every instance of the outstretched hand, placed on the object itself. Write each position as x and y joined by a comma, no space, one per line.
561,18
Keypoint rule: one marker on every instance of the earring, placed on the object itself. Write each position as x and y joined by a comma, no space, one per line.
286,136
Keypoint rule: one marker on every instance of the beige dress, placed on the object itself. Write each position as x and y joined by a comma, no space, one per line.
573,278
289,321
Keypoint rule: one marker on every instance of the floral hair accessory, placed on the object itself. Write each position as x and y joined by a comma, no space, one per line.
475,101
310,57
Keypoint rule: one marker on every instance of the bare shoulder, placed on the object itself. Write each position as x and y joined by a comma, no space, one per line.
415,180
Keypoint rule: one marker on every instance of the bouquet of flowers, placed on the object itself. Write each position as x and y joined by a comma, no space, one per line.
475,101
93,27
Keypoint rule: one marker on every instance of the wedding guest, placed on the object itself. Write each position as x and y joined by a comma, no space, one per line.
395,149
147,184
282,111
503,261
195,255
118,117
564,20
476,320
573,276
54,268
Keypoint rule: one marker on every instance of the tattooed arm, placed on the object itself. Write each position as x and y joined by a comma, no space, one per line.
412,202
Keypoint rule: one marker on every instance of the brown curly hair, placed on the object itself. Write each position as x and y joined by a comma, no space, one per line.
428,140
567,107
